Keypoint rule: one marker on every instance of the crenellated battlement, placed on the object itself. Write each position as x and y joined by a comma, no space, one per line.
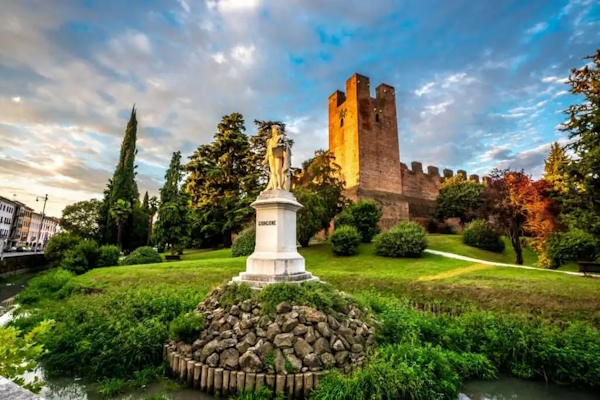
433,172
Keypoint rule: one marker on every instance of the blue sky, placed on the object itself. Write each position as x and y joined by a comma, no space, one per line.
478,83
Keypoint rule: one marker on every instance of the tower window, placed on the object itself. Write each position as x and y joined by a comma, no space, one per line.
341,122
377,117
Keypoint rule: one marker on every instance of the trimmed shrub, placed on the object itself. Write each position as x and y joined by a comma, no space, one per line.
366,215
309,219
142,255
482,235
58,246
83,257
345,241
406,239
187,327
574,245
244,244
343,219
109,256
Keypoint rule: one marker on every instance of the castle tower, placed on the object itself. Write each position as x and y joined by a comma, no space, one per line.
363,136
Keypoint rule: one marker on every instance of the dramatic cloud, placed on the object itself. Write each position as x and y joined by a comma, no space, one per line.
478,84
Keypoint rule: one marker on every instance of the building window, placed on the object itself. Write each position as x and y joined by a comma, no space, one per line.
341,122
377,117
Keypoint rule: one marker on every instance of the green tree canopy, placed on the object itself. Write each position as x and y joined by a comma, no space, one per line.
120,211
81,218
321,175
458,198
554,167
581,203
310,216
172,226
223,181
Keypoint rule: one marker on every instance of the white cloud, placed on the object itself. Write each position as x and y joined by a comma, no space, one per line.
185,6
228,6
554,79
537,28
243,54
16,99
424,89
218,57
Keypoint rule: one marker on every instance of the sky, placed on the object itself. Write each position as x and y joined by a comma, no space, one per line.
479,84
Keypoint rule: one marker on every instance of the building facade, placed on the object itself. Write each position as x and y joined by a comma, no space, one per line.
14,238
25,227
7,215
363,137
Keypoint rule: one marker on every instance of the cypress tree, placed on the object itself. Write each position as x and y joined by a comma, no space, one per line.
554,167
145,205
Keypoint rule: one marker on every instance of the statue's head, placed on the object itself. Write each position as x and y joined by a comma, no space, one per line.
275,130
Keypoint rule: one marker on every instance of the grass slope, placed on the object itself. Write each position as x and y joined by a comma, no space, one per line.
454,282
454,244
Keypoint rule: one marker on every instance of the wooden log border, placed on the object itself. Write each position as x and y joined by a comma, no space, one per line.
222,382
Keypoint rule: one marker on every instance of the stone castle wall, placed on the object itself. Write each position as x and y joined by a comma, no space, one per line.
363,137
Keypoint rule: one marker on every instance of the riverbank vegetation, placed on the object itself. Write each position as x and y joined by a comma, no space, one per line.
110,323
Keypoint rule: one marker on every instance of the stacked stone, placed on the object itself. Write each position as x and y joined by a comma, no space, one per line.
289,346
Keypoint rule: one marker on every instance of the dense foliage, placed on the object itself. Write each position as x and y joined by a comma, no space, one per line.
345,241
21,354
574,245
407,239
109,256
142,255
309,219
186,327
173,225
458,198
343,218
81,219
581,200
83,257
58,246
482,235
365,217
321,175
245,243
115,334
315,294
128,222
223,180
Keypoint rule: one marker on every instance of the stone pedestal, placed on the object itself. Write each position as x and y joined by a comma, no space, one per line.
275,258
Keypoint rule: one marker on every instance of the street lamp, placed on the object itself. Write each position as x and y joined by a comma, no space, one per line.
41,223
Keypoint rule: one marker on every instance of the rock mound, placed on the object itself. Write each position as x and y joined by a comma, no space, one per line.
292,339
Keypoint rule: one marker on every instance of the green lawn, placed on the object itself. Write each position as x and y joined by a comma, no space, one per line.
454,244
429,278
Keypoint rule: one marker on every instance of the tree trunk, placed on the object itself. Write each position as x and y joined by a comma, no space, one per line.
227,239
149,229
515,240
120,236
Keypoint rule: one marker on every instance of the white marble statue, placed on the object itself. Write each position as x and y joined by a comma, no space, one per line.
278,157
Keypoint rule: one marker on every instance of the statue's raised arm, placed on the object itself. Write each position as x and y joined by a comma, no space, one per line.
278,156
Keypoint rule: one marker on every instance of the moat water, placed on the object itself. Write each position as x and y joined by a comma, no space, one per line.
505,388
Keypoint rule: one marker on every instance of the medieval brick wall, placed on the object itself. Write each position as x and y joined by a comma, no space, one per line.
363,137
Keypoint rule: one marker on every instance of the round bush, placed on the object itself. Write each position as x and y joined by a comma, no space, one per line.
109,256
244,244
574,245
83,257
406,239
344,218
58,246
366,215
142,255
345,241
482,235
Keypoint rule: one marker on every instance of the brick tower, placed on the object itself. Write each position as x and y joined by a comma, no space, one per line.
363,136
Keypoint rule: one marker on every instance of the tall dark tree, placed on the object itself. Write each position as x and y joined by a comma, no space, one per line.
122,186
321,175
145,202
172,227
223,180
581,205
